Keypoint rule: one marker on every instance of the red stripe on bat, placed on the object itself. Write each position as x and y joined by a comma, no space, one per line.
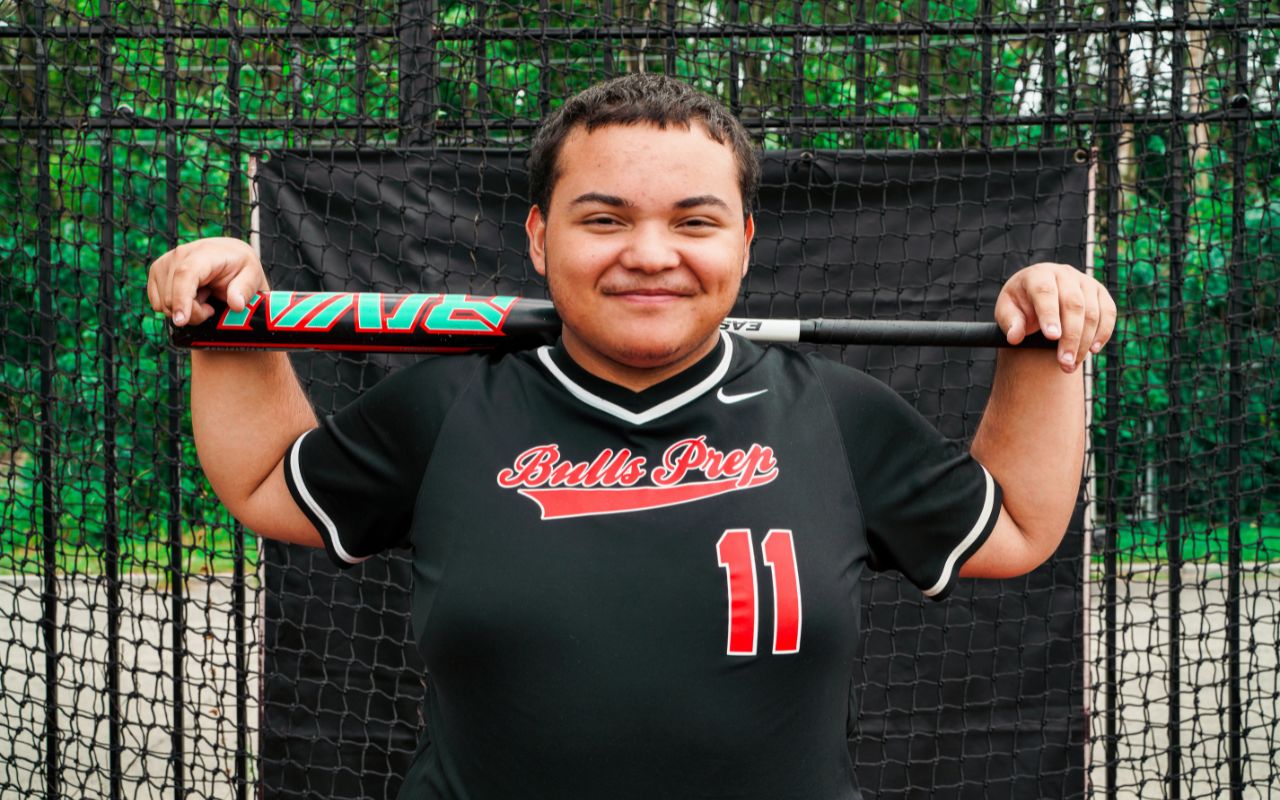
306,321
223,344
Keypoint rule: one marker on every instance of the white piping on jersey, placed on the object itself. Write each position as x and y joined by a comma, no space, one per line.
315,507
974,533
648,415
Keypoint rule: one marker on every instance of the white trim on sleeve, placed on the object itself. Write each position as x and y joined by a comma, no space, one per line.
974,533
331,529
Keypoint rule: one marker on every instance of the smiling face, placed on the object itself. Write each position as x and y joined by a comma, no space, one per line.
643,246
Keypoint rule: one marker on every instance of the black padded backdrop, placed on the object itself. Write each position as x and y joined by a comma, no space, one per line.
978,696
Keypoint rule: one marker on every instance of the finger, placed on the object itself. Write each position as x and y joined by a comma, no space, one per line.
201,310
1071,318
164,283
185,279
1042,294
153,292
244,286
1107,322
153,288
1092,317
1011,318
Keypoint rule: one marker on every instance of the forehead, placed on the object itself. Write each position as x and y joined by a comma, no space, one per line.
645,161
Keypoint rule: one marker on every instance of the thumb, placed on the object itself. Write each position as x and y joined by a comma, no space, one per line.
241,291
1015,328
1011,320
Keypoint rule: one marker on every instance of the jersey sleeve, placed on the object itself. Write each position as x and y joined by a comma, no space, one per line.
357,475
927,504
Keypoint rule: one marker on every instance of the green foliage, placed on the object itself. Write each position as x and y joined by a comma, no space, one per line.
93,388
1147,541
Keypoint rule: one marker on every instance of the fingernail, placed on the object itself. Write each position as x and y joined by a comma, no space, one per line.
1096,347
1068,358
179,318
1051,329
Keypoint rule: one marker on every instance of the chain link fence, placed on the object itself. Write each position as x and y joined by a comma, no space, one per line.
130,654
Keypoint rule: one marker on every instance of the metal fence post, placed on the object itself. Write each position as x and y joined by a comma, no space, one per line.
110,411
48,427
1235,414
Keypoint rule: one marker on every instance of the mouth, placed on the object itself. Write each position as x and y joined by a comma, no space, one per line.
647,294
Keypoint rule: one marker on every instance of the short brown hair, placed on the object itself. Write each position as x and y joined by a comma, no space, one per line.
641,98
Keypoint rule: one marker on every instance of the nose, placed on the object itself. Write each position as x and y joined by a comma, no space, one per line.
650,248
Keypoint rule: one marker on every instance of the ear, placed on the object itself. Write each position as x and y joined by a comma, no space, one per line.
748,233
535,227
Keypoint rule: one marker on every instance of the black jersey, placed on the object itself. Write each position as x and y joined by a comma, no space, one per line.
640,595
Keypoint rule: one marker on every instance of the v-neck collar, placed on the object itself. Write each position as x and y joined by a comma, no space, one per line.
644,406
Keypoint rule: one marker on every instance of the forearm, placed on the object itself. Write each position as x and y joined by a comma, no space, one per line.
1032,440
246,410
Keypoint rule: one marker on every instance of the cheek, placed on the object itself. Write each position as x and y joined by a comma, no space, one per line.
582,257
719,267
596,254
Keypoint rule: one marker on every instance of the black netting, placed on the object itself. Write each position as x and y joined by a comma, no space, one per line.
917,153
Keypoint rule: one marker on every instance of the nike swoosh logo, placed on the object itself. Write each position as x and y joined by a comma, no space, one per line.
730,399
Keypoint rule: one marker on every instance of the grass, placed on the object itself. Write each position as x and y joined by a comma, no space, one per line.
202,553
1147,542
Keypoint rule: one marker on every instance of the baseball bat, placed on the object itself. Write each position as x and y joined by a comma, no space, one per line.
442,323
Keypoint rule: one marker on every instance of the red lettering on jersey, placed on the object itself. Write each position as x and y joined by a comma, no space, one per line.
679,459
733,463
541,465
624,470
691,470
568,472
759,461
695,455
531,468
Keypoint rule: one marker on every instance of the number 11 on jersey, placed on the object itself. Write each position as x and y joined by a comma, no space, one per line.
737,557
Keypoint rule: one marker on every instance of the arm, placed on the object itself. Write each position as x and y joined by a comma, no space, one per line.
246,408
1032,434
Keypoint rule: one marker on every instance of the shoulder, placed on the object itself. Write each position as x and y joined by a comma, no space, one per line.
844,383
782,360
449,367
447,374
864,406
417,394
785,363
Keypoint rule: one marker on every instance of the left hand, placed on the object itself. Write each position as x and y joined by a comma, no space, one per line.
1062,302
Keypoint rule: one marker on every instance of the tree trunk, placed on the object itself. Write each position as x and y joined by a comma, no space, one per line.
1128,166
1197,52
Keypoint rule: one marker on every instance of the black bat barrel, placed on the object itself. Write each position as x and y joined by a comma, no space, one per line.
374,322
442,323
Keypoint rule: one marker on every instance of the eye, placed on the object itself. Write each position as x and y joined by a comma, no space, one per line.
601,221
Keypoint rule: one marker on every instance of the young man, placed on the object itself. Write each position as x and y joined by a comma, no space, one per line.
636,553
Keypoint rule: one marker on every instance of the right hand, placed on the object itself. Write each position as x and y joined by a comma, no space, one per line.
181,281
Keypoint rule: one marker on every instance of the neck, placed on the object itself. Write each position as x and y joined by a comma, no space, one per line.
634,375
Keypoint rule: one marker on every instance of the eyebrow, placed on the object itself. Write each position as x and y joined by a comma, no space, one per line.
606,199
702,200
618,202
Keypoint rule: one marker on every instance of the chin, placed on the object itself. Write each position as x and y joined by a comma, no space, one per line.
650,354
